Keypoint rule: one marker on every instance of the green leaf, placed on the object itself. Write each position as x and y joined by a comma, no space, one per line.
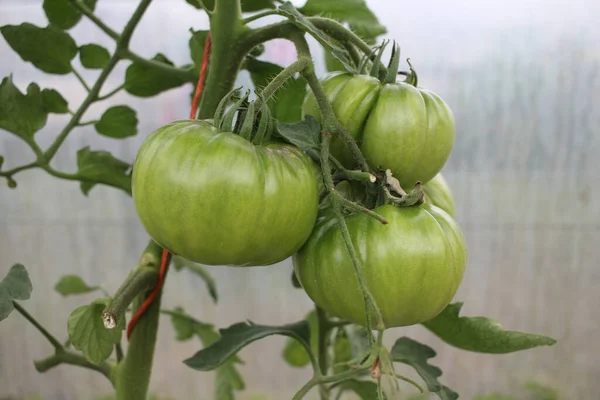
62,14
102,167
93,56
286,103
54,102
17,283
6,304
355,12
481,334
415,354
239,335
227,378
73,284
350,343
340,54
306,134
366,390
247,5
21,114
197,46
48,49
118,122
294,353
146,81
88,334
180,263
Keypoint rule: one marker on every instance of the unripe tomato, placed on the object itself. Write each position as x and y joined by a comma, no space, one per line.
399,127
215,198
438,193
412,266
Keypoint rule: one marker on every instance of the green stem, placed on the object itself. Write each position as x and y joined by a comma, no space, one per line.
90,14
323,344
259,15
137,283
80,78
93,122
53,341
278,81
71,358
111,93
227,53
320,379
189,74
133,376
10,172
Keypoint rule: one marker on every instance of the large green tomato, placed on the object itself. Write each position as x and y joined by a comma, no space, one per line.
412,266
438,193
399,127
215,198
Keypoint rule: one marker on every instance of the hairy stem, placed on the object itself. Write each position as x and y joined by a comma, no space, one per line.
278,81
320,379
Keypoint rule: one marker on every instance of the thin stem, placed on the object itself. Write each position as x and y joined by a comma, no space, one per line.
320,379
10,172
186,74
71,358
80,79
111,93
90,14
93,122
357,207
53,341
410,381
259,15
278,81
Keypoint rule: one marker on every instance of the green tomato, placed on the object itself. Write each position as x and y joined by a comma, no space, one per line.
438,193
412,266
399,127
215,198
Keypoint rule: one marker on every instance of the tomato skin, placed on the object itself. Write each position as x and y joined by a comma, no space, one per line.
438,193
399,127
215,198
412,266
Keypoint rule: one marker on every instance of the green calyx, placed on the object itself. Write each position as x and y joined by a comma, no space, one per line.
249,119
385,75
411,77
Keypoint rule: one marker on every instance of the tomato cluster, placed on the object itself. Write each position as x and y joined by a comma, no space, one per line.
214,197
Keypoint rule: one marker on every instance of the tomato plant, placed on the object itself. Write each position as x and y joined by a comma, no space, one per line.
238,184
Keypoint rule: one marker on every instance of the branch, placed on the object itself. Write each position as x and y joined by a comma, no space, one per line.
187,74
90,14
53,341
81,80
71,358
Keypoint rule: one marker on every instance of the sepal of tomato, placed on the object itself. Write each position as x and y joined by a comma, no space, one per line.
215,198
413,266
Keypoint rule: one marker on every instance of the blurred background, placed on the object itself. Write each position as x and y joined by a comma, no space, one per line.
522,77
